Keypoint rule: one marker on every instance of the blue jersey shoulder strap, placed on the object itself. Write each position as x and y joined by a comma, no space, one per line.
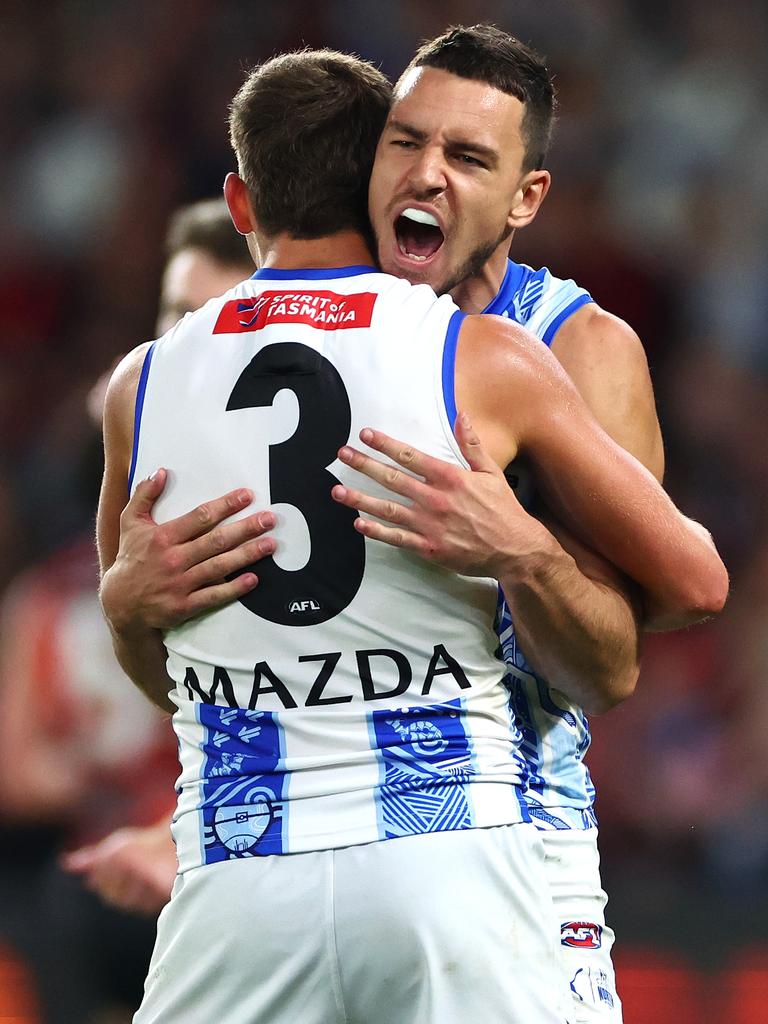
537,299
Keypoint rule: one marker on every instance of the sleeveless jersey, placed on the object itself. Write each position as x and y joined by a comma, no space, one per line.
357,693
554,730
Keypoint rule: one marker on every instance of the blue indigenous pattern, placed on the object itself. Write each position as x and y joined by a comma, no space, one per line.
555,733
427,760
555,738
243,785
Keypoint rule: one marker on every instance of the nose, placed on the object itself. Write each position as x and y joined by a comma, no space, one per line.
427,172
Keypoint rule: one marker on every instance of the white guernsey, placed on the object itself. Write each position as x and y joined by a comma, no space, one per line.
301,725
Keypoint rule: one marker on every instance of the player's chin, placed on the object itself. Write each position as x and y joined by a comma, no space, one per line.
429,271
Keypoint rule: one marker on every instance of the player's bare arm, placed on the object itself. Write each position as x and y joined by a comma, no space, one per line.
597,622
611,502
606,360
673,558
568,591
467,520
599,490
154,577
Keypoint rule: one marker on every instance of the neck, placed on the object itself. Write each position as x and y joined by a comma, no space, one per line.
474,293
343,249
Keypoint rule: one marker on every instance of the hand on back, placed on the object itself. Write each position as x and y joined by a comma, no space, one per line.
167,573
467,520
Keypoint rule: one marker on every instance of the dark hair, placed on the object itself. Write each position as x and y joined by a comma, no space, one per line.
206,225
304,127
485,53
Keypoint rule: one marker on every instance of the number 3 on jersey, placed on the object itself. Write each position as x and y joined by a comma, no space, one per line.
298,476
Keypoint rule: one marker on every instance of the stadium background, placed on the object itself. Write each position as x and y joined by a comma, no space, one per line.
113,113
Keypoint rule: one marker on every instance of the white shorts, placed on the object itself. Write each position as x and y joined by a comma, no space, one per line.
573,875
443,928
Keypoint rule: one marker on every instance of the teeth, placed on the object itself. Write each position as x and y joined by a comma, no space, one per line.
412,255
421,217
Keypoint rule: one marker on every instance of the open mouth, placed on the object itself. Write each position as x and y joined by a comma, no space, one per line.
418,234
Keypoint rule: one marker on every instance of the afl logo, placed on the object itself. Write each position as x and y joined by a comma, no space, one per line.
302,607
581,935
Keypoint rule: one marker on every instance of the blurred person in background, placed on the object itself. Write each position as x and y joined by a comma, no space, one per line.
72,733
449,186
79,756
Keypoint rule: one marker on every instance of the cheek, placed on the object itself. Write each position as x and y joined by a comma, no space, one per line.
489,216
375,196
380,195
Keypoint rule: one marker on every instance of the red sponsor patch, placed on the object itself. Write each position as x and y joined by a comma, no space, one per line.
325,310
581,935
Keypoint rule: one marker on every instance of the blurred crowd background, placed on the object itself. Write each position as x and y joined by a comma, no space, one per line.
112,114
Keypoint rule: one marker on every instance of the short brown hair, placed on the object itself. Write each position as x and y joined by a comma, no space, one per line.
207,225
487,54
304,127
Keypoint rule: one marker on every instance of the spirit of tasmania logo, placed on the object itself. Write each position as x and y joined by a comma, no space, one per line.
325,310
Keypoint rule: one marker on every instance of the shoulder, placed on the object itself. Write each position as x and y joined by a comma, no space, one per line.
592,332
124,382
606,361
120,400
504,378
496,344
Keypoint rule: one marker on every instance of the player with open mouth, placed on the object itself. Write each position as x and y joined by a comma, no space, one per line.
419,235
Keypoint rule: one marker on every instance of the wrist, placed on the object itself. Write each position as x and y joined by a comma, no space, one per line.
535,565
121,616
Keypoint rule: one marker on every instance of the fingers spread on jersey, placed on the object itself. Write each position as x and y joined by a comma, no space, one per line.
396,537
403,454
217,568
219,594
202,519
383,508
228,537
388,476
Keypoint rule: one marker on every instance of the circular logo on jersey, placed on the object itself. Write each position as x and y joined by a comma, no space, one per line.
581,935
240,826
424,737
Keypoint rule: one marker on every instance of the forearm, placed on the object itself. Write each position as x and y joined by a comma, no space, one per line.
142,656
620,510
579,633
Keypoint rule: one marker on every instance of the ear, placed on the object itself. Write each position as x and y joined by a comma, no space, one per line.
529,196
239,203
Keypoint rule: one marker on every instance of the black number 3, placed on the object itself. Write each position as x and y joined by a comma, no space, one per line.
298,476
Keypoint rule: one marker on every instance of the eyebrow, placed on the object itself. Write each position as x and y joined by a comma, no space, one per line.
407,129
490,154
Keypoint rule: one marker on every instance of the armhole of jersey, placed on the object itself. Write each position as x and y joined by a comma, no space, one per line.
449,366
140,392
577,303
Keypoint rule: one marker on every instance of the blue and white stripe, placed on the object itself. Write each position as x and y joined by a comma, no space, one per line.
555,732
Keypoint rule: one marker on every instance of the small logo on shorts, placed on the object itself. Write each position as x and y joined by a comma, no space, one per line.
581,935
301,607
